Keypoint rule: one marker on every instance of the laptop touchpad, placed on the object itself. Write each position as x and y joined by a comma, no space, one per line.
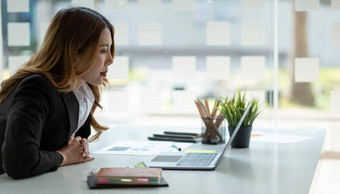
166,158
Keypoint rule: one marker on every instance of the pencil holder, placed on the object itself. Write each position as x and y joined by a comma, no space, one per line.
213,130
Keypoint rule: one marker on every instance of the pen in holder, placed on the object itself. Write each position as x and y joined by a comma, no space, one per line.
213,127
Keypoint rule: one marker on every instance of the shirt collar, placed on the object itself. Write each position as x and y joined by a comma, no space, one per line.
84,92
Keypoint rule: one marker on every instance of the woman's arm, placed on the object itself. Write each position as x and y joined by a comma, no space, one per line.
28,114
26,118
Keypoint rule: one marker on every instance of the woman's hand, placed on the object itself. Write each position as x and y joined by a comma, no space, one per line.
84,143
76,151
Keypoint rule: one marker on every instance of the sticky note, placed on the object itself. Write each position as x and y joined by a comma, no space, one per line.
151,101
307,5
183,5
15,62
218,33
253,67
336,34
85,3
18,6
115,4
183,102
149,4
119,69
140,165
150,34
42,31
256,135
201,151
184,67
335,4
335,101
121,34
306,69
18,34
252,4
252,33
218,67
116,101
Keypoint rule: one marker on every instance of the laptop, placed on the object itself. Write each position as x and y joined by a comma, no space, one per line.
197,156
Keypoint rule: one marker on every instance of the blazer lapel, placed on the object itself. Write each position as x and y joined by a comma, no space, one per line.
72,106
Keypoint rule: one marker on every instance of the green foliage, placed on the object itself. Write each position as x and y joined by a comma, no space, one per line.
233,108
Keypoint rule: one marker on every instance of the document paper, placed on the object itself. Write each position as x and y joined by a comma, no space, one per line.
141,147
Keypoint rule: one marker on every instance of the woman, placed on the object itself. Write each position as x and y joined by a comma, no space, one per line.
47,106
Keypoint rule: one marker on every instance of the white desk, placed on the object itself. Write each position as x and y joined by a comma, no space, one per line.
263,168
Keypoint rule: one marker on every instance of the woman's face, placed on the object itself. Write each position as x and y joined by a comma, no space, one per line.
103,59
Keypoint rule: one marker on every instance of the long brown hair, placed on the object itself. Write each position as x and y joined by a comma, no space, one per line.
73,31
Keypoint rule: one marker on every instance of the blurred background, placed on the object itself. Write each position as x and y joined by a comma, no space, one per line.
170,52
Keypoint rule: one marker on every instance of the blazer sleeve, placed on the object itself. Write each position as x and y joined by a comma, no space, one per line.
26,117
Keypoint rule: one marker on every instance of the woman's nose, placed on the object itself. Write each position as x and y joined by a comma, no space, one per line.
109,60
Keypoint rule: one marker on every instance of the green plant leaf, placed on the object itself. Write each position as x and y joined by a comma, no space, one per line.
233,108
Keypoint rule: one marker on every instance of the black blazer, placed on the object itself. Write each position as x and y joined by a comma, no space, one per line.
35,121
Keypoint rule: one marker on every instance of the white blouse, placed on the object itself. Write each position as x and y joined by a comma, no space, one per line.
85,99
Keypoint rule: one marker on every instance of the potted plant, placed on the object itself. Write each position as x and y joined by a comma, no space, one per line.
232,109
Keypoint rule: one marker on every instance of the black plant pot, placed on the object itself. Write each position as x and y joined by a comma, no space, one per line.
242,137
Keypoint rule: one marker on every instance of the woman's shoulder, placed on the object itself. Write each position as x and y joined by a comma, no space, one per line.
37,82
36,79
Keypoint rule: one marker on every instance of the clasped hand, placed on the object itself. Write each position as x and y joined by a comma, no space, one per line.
76,151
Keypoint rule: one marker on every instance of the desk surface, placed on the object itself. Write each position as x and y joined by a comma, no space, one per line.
263,168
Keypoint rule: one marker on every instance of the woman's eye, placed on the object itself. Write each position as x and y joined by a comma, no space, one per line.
103,51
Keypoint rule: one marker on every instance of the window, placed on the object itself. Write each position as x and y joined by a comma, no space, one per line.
169,52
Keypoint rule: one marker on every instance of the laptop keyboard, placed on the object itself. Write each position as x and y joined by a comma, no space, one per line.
196,159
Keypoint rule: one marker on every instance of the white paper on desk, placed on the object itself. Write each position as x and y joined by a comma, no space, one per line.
141,147
278,138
